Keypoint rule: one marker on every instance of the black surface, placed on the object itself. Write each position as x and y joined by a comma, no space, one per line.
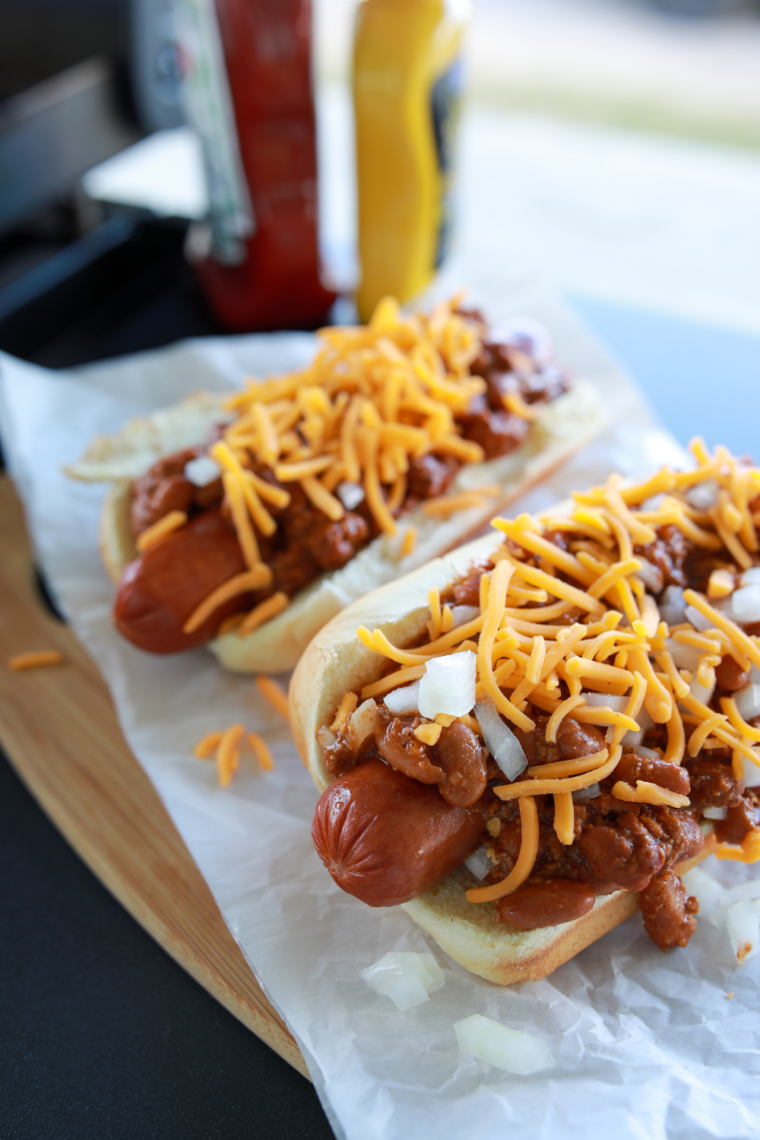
122,288
102,1034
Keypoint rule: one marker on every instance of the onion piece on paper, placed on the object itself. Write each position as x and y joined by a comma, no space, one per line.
406,977
509,1049
500,740
743,929
706,890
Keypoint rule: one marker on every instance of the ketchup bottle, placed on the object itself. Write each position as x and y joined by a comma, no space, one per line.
248,93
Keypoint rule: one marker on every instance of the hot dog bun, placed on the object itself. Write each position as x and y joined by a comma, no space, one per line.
563,427
335,662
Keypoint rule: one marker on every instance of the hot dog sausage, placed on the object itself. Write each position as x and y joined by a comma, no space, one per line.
159,591
386,838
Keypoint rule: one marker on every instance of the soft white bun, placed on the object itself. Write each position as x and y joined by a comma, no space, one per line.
336,662
563,427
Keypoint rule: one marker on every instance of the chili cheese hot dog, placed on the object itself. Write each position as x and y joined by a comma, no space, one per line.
596,667
397,442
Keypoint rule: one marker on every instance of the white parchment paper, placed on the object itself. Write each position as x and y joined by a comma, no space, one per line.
646,1044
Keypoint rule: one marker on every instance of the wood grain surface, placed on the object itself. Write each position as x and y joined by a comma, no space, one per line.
59,729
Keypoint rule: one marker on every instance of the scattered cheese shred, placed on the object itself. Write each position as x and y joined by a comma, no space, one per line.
207,745
261,751
167,525
228,753
34,660
276,696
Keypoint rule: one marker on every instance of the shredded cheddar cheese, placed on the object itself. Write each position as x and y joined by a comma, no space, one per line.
261,751
276,696
159,530
409,542
228,753
428,733
261,613
648,793
34,660
564,817
260,576
372,400
525,860
345,708
207,745
563,620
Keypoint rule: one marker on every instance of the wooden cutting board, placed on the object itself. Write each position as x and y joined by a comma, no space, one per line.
59,729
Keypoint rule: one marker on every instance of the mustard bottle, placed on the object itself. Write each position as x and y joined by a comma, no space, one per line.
407,84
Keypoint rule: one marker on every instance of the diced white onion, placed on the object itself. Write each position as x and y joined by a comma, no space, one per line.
504,1048
404,700
202,470
751,577
500,740
405,977
754,674
350,495
745,604
672,605
698,620
651,576
742,892
703,496
748,890
448,685
751,774
706,827
743,929
480,862
706,890
463,614
434,970
588,793
619,704
715,812
748,701
646,753
700,693
684,656
605,700
363,723
325,736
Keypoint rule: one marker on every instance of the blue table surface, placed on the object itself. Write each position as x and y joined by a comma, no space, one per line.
701,379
